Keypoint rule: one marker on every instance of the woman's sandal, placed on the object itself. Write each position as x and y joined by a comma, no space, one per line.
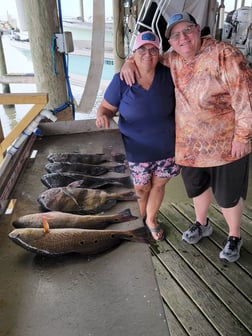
154,230
157,230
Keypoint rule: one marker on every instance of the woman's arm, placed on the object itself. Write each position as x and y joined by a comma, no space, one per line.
104,114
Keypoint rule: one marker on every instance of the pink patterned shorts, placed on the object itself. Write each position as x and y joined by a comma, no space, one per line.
141,173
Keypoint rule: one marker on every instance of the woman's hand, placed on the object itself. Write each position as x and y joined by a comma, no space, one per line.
102,121
104,113
129,72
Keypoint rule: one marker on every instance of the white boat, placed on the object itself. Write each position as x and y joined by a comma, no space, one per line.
81,34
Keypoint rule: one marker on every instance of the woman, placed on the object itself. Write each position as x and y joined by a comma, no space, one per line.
147,125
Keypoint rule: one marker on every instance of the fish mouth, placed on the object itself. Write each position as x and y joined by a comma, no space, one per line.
41,203
15,237
45,182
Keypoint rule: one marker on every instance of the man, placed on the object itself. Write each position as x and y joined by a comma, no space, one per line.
213,87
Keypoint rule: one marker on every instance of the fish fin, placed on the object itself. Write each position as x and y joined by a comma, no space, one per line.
68,193
126,213
45,225
127,196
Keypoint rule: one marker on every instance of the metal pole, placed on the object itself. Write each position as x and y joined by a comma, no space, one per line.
81,11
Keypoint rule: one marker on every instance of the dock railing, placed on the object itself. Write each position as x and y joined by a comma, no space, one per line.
11,162
38,99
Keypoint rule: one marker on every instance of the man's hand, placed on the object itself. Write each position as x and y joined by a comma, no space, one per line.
129,72
240,149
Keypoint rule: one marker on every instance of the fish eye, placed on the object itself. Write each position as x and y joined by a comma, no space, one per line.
82,242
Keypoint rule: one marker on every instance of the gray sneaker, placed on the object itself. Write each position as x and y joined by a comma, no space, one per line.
231,251
197,232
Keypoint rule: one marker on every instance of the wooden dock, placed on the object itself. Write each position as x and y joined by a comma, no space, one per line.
202,295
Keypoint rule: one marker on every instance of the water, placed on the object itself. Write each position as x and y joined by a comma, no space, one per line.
77,64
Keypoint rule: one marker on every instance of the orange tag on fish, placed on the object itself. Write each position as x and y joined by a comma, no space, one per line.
45,225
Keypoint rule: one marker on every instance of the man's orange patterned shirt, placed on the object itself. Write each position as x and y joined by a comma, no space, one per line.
213,103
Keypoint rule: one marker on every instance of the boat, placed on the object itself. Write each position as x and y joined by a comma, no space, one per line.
81,33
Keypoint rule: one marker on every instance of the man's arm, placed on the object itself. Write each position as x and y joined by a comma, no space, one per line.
129,71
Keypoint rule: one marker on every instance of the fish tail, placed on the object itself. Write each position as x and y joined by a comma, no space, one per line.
126,215
126,181
116,157
139,235
128,196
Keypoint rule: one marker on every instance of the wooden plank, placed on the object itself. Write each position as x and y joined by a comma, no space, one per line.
207,302
175,327
185,311
246,220
21,79
218,284
219,235
23,98
248,211
220,222
1,131
232,271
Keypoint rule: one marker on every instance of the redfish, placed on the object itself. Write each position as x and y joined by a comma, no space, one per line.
53,242
58,219
55,180
82,200
87,169
86,158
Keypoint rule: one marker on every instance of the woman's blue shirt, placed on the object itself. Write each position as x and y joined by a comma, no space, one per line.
146,117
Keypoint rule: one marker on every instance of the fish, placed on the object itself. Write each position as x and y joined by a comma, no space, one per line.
82,200
55,180
54,242
87,169
58,219
86,158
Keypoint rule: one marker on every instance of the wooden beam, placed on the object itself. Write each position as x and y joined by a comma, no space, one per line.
21,78
23,98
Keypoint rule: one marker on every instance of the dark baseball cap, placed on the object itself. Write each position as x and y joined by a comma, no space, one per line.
178,18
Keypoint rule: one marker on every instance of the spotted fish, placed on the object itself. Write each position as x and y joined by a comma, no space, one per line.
53,242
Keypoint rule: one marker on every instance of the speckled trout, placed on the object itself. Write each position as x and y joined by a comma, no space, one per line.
63,241
58,219
82,200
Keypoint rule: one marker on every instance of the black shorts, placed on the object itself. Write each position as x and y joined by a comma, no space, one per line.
229,182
